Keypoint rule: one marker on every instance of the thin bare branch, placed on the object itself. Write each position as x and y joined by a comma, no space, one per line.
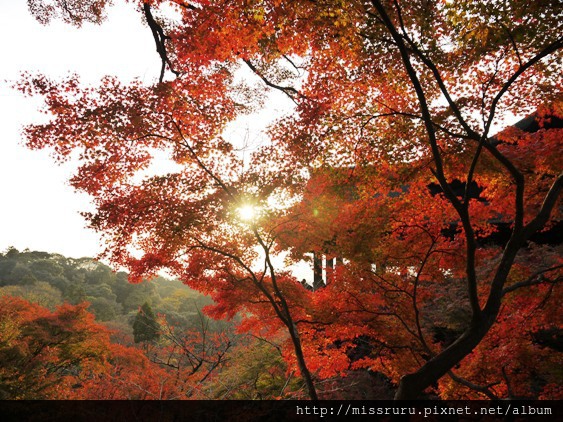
534,279
287,90
160,39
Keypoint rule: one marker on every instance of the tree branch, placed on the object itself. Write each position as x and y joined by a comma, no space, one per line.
483,389
534,279
287,90
160,39
547,206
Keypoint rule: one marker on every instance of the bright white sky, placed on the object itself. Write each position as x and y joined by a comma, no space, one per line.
39,210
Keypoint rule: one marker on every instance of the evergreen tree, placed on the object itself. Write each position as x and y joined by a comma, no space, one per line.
145,327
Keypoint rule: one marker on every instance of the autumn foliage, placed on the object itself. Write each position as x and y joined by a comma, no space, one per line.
67,355
446,231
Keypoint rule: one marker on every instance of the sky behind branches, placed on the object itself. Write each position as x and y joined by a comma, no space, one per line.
39,209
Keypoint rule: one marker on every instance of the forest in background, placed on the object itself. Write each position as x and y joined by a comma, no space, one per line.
51,280
74,329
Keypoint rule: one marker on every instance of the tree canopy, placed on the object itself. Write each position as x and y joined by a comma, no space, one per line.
389,159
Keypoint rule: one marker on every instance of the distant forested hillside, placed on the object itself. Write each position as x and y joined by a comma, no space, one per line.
52,279
159,343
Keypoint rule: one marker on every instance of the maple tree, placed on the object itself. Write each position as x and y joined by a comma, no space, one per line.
66,354
193,355
390,146
42,351
401,299
255,370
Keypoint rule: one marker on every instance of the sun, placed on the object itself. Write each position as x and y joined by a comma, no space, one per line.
248,212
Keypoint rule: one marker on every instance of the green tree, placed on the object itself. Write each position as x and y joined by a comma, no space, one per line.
145,327
104,309
40,293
